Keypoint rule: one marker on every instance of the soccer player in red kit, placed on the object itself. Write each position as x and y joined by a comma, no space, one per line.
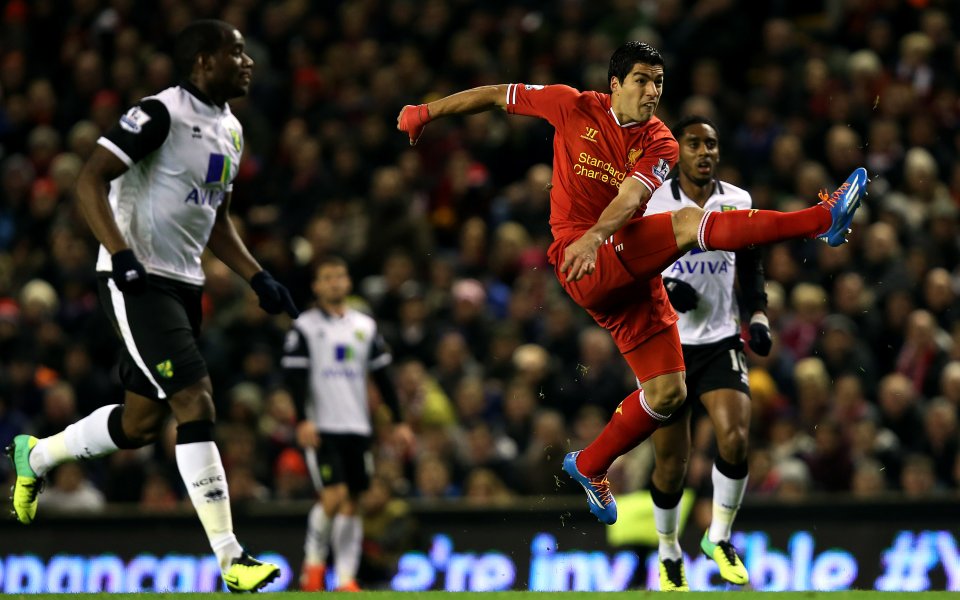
610,154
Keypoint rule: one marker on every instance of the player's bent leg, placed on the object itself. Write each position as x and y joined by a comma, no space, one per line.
829,221
671,445
599,498
98,434
247,574
729,411
28,484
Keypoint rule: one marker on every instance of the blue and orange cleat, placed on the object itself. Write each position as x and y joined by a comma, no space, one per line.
599,498
843,204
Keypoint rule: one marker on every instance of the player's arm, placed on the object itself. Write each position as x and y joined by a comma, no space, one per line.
101,168
225,243
296,377
412,119
753,295
378,364
139,132
580,257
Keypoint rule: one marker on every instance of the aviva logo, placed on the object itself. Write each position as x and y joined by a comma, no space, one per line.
165,369
343,352
590,135
219,169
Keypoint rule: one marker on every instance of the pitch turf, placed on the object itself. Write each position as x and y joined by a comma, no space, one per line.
635,595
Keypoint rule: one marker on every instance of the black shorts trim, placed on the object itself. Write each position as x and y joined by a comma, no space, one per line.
159,331
341,458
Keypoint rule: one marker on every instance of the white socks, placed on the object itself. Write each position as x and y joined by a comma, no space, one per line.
318,536
347,539
727,496
87,438
667,521
202,473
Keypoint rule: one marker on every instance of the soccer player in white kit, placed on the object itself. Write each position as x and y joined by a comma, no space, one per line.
329,354
700,286
169,165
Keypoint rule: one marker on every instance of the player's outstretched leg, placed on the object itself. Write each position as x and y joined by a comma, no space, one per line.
843,204
599,497
247,574
829,220
725,555
672,576
28,485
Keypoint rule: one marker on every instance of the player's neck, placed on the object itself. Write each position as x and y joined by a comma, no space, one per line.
695,191
201,90
336,309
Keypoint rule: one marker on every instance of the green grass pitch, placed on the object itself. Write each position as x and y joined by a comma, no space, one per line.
633,595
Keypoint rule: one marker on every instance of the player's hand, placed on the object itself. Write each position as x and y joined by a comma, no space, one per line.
403,436
682,295
412,119
128,273
760,338
274,296
580,258
307,436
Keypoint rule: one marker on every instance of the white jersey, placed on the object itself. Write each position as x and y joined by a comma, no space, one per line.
182,152
338,352
710,273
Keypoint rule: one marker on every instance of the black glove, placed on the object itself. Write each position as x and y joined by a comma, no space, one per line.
128,273
274,297
760,339
682,295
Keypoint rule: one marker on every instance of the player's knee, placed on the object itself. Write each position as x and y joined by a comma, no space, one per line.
194,403
733,445
135,431
668,397
686,224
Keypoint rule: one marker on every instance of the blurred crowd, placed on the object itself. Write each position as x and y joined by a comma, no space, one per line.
498,372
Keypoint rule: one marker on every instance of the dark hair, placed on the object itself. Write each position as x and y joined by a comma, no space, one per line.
205,36
331,260
630,54
689,120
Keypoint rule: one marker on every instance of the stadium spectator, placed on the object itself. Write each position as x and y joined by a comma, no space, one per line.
311,93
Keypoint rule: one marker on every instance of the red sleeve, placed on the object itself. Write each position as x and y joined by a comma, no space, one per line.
652,168
550,102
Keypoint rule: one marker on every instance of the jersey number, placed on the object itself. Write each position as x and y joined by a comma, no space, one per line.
738,361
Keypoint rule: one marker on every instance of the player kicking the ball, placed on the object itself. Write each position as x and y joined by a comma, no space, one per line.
610,155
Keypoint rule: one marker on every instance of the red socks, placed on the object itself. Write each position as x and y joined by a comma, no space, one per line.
738,229
632,423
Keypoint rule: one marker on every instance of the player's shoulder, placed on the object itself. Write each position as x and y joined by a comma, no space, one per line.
657,130
361,319
733,195
171,98
663,199
310,319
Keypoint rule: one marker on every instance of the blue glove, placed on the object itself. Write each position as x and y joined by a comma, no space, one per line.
128,273
682,295
760,339
274,297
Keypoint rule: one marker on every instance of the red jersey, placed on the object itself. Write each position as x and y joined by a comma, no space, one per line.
592,152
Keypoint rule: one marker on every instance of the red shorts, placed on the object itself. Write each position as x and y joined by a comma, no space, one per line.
658,355
631,309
